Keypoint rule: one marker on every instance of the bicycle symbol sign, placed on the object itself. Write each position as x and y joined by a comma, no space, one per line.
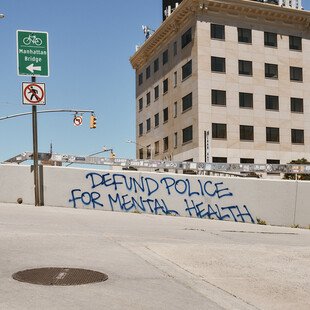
32,53
32,39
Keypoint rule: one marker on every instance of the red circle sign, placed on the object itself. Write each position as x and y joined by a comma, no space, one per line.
32,93
78,120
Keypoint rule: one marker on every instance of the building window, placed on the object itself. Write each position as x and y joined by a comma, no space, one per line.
246,100
165,57
140,153
297,136
156,92
219,160
175,109
156,120
244,35
148,72
186,37
148,152
156,147
140,129
218,97
271,71
246,133
166,144
245,67
175,140
140,78
246,160
297,105
175,48
140,104
165,86
296,74
295,43
156,65
272,134
218,64
219,131
187,102
148,124
272,102
175,78
187,134
273,161
187,70
217,32
165,115
148,98
271,39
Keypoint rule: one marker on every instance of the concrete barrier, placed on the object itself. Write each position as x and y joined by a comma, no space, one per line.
16,182
276,202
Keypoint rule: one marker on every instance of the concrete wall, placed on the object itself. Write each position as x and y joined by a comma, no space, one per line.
16,182
242,200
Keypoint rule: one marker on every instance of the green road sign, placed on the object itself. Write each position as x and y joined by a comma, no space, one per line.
32,53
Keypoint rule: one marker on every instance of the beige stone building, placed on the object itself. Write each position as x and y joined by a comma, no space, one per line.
225,81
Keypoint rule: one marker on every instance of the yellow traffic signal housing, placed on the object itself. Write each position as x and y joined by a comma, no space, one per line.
93,122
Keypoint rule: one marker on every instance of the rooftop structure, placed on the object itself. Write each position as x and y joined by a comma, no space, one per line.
170,5
295,4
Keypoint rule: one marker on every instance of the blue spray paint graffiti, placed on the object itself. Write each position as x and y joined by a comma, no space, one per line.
216,212
120,192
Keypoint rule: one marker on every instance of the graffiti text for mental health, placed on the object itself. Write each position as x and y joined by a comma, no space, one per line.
120,192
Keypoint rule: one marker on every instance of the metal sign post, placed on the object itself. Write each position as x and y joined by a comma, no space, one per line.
33,60
35,152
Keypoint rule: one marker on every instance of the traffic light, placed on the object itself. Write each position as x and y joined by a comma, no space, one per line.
93,122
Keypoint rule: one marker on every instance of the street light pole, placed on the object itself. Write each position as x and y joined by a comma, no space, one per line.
104,149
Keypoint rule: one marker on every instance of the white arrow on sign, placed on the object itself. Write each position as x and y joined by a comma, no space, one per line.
33,68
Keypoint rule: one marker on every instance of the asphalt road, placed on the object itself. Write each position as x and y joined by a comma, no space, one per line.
153,262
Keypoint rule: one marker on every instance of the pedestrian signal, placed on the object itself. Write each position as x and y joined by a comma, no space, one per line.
93,122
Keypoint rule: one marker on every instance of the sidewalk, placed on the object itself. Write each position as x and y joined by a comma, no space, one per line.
153,262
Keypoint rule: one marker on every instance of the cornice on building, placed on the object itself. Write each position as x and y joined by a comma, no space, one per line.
189,8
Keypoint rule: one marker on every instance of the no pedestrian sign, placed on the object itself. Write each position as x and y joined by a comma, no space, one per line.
32,53
34,93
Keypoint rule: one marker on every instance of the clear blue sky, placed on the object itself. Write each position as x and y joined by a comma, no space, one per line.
90,45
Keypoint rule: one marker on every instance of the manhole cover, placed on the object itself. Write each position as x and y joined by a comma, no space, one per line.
59,276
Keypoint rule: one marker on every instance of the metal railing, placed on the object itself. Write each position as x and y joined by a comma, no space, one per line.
164,165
